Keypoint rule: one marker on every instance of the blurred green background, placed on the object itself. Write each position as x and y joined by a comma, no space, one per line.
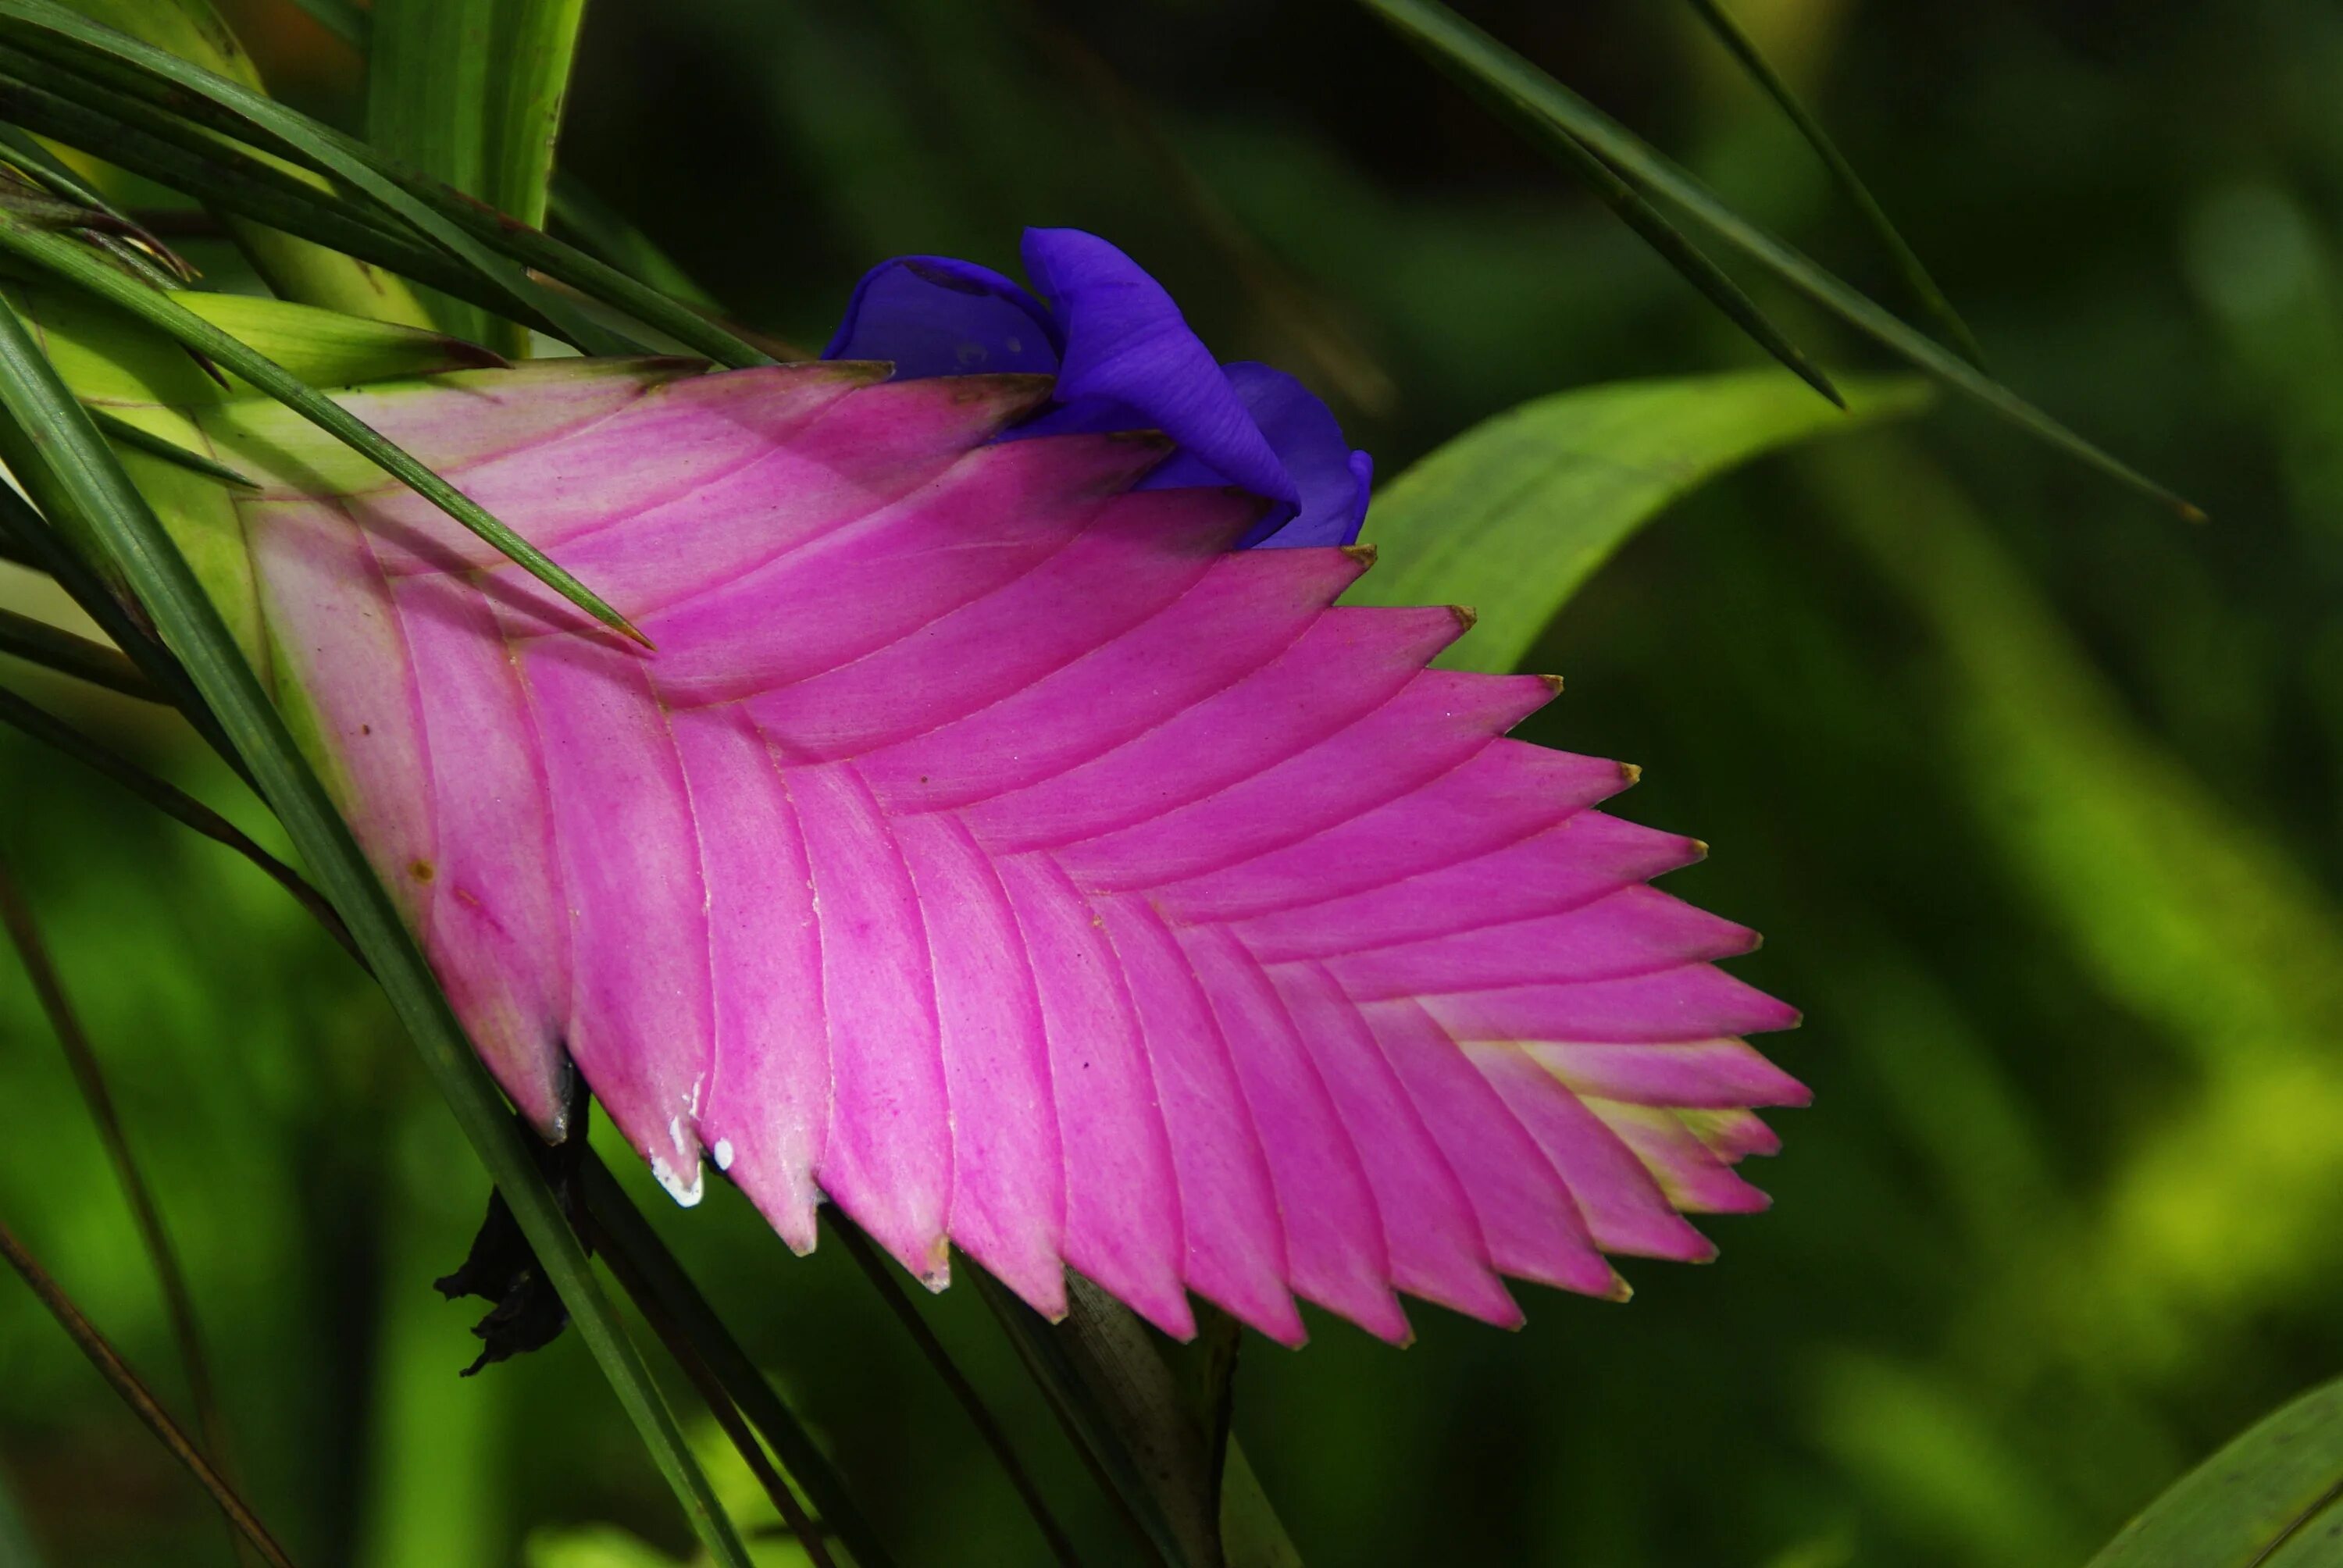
2032,787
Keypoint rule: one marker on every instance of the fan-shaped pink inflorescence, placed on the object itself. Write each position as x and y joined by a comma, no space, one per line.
988,847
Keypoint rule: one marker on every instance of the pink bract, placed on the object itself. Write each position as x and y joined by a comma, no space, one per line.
990,848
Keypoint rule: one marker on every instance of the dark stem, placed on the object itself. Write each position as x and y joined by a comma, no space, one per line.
142,1403
719,1403
874,1268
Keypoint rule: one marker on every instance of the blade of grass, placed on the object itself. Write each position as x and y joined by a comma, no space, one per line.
610,236
632,1237
172,802
538,46
51,448
124,131
53,648
133,1394
89,1078
78,49
1917,282
431,89
147,441
1535,100
62,259
470,92
478,235
899,1301
719,1403
37,546
1691,264
1087,1422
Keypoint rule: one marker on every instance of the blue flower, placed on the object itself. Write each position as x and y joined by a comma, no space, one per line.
1125,359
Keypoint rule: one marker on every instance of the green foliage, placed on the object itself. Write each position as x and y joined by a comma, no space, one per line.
2035,795
1513,517
2272,1499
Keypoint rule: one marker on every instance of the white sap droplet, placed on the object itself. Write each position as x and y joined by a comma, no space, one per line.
724,1155
685,1191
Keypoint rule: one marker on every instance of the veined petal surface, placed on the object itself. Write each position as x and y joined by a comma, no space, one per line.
992,849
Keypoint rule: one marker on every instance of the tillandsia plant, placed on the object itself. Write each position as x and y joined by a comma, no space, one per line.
971,778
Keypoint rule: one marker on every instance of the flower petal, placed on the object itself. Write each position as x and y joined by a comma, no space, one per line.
932,316
1333,481
1131,362
991,849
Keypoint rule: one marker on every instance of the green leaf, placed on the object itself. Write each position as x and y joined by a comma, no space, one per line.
52,648
116,428
81,54
1691,263
146,1215
169,800
1513,515
62,259
1917,282
192,31
142,1402
538,43
1542,105
89,64
625,1228
2272,1499
1092,1423
51,448
232,182
876,1269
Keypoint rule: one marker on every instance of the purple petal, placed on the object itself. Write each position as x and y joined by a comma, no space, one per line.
932,316
1132,362
1333,481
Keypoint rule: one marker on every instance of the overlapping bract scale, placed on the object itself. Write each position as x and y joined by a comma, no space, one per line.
990,847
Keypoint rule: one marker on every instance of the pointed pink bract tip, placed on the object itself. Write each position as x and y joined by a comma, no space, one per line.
989,848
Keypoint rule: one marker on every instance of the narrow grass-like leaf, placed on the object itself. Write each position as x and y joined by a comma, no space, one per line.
632,1237
485,239
38,547
1917,282
719,1403
1091,1424
2272,1499
538,43
89,1078
1514,515
65,260
234,182
171,801
1629,205
612,236
135,1393
76,48
877,1270
53,449
432,87
53,648
1538,103
119,429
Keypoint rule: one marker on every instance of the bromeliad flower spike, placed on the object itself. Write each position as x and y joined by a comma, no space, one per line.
989,846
